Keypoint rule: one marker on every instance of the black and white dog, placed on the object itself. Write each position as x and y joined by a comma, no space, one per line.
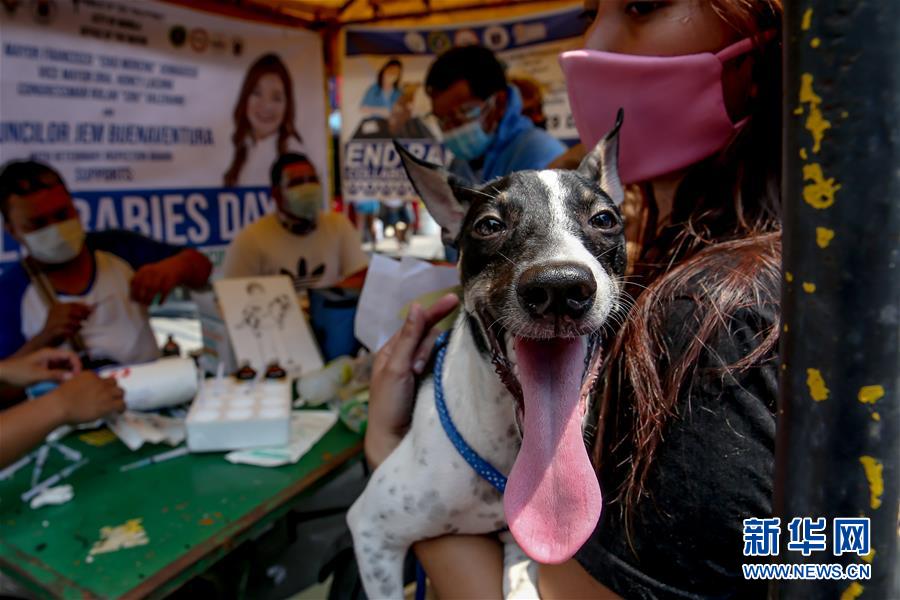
542,254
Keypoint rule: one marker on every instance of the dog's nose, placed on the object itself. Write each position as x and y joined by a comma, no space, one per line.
560,289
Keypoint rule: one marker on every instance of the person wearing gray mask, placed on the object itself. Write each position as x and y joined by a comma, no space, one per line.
315,248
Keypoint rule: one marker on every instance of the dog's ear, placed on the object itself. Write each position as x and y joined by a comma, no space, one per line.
602,163
436,187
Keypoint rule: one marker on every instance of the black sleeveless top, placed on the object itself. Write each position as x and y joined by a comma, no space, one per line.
713,469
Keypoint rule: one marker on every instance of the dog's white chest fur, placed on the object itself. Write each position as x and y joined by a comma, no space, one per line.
425,488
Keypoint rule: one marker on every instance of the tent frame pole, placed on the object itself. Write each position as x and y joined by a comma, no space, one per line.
838,446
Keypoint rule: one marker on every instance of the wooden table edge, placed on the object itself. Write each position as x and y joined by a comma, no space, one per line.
239,526
29,581
173,569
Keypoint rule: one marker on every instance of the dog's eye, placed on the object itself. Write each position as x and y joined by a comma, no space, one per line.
488,226
604,220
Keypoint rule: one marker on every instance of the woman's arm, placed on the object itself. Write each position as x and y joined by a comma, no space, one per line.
23,426
463,566
82,399
471,566
570,581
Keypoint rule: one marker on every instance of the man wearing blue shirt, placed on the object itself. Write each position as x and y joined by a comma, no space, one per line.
481,116
103,281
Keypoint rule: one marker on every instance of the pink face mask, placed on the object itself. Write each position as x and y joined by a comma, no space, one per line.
675,112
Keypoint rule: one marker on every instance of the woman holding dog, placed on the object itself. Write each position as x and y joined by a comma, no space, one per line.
686,419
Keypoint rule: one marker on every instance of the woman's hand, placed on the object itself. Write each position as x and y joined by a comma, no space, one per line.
88,397
82,398
394,373
64,320
48,364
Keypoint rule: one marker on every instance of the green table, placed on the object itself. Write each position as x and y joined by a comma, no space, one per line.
194,509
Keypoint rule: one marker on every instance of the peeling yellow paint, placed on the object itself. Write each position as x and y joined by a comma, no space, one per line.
809,288
803,154
815,42
876,416
807,19
870,394
127,535
824,236
786,328
807,93
844,114
853,591
817,126
798,111
870,556
98,438
874,470
789,277
818,391
820,192
816,123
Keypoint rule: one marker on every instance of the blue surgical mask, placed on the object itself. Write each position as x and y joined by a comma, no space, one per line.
469,141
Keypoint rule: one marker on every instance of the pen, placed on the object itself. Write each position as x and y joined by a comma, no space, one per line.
39,461
156,458
39,389
70,453
13,468
53,480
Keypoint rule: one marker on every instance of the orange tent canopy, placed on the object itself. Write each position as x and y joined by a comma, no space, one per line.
325,13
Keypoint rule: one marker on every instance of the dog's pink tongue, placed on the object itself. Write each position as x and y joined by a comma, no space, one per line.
552,499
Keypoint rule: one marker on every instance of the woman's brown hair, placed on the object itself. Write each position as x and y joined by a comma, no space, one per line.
383,71
721,252
267,63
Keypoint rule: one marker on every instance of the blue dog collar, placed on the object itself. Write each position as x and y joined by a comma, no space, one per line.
485,469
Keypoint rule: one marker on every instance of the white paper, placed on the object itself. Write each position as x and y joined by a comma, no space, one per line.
158,384
135,429
266,325
390,286
307,428
53,496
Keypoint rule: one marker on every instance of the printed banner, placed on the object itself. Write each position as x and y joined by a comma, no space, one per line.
375,111
161,119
